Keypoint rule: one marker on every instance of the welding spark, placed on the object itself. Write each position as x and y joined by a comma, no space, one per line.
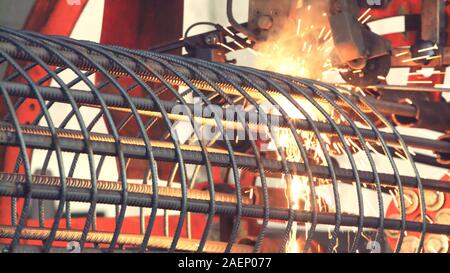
299,25
322,31
327,36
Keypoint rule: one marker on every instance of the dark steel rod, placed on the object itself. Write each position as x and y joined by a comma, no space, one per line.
83,97
200,206
102,144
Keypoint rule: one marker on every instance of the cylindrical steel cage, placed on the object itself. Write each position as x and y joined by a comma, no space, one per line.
165,122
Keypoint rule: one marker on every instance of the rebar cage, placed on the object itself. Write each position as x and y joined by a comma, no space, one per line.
169,122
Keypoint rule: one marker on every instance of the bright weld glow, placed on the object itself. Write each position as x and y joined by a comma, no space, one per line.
302,50
299,188
299,25
327,36
321,32
296,188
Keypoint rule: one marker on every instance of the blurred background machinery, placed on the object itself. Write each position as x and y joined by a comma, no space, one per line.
331,135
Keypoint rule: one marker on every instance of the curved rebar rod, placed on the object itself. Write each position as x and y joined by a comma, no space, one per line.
347,151
206,158
117,144
27,189
152,164
303,154
55,140
83,129
255,152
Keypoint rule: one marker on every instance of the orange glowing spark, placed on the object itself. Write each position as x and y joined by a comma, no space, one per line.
304,46
321,32
299,189
299,25
328,49
327,36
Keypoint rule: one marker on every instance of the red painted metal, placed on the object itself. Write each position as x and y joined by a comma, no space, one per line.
393,211
142,24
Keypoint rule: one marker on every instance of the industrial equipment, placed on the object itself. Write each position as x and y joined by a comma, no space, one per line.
201,155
